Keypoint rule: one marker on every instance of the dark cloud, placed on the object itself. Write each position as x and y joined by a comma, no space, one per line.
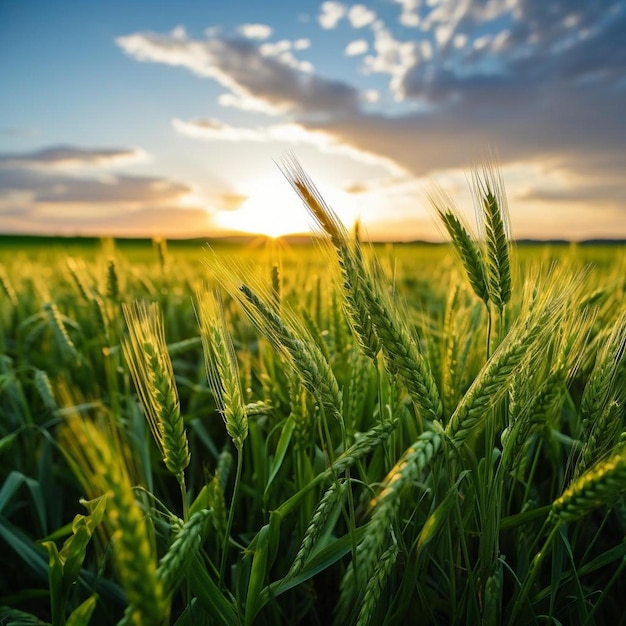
68,156
118,189
54,188
277,81
278,84
538,47
543,23
588,192
49,200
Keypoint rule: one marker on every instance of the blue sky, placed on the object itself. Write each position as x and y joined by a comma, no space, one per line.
168,118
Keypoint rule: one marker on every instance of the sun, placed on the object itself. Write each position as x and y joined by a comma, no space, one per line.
272,209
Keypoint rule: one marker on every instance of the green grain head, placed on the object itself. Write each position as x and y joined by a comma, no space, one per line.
150,365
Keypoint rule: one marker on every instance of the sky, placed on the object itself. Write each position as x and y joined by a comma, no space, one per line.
154,118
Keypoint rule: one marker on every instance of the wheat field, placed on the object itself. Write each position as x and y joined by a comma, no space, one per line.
316,432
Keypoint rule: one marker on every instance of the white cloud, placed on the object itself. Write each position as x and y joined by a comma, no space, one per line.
281,50
306,66
330,14
179,33
371,95
409,16
360,16
255,31
155,48
391,57
481,42
460,40
291,133
274,49
354,48
500,41
247,102
214,130
443,34
534,108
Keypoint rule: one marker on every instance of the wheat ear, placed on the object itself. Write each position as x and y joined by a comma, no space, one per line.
601,484
363,445
150,365
221,365
494,219
369,311
376,584
57,323
316,525
8,288
99,458
604,397
306,358
349,256
187,541
518,347
386,505
464,243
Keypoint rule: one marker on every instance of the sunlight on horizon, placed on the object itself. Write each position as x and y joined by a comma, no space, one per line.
273,208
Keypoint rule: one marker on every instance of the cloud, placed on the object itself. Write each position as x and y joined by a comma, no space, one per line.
255,31
409,16
360,16
576,123
71,157
544,83
227,201
354,48
330,14
172,222
117,189
54,188
282,51
213,130
392,56
263,78
289,133
539,48
71,190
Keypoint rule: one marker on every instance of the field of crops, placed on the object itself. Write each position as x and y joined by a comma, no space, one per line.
313,433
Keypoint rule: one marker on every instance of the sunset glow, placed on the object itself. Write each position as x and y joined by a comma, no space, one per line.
272,209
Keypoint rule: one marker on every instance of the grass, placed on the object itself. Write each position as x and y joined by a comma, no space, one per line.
337,432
